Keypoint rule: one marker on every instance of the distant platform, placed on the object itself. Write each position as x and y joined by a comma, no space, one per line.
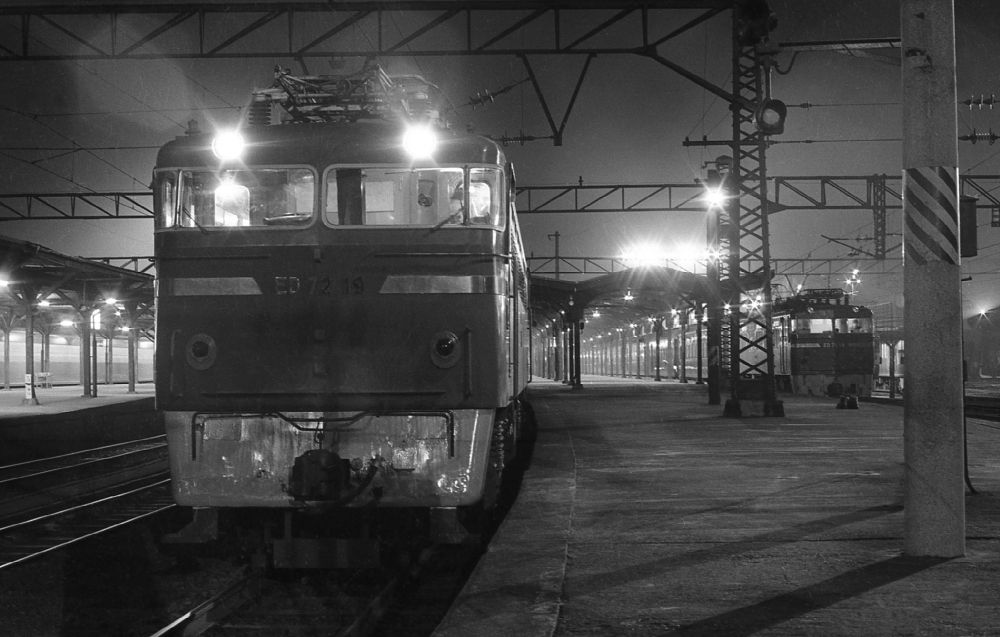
64,420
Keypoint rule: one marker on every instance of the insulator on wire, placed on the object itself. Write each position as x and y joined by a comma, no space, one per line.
481,99
980,137
981,101
506,140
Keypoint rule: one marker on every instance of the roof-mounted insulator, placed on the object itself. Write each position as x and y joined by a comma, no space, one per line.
259,110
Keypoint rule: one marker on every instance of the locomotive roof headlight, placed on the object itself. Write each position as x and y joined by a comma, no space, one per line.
419,142
446,349
228,145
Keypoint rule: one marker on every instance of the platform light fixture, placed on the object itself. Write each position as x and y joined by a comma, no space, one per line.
715,197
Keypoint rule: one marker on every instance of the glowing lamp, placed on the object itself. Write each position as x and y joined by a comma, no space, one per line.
419,142
228,145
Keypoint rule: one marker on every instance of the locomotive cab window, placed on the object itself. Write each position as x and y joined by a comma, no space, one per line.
401,197
854,326
820,324
237,198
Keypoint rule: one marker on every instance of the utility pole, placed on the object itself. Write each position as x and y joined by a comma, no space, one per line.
934,494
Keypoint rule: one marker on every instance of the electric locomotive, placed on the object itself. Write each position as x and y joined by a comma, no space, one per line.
823,345
341,313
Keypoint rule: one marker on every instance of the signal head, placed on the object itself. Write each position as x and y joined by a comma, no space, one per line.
770,117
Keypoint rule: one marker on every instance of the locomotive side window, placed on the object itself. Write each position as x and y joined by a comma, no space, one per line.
166,188
399,197
484,196
240,198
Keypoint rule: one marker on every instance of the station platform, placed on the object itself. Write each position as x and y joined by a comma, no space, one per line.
645,511
64,420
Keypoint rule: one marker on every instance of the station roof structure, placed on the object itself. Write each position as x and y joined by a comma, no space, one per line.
655,290
70,285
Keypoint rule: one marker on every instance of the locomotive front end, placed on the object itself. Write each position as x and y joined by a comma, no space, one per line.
338,326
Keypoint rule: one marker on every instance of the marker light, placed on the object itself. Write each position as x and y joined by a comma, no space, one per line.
419,142
228,145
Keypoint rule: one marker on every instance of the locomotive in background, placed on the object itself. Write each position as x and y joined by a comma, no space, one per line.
823,345
342,348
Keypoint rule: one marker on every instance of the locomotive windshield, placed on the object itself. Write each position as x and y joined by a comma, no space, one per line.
233,198
824,323
399,197
438,197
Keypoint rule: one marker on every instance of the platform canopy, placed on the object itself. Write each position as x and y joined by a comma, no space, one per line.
60,288
646,291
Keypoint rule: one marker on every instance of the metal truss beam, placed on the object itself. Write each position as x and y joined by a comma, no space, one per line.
849,193
116,31
81,205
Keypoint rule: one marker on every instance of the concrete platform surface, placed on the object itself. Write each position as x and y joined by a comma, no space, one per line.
65,398
646,512
64,420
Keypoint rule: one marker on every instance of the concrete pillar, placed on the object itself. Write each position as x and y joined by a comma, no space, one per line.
934,494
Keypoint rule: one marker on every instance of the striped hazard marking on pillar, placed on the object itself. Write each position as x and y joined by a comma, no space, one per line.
930,214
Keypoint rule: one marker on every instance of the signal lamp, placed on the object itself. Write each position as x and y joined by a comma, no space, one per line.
419,142
770,117
228,145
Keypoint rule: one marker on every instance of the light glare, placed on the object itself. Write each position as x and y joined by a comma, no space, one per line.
715,197
228,145
419,142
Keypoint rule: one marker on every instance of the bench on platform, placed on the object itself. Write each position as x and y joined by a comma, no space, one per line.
43,379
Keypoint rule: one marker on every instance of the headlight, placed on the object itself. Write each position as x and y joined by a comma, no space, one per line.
201,351
446,349
228,145
419,142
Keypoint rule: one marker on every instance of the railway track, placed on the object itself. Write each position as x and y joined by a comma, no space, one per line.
53,502
410,599
979,406
33,488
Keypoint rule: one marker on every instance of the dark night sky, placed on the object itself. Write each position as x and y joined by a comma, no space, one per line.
627,127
